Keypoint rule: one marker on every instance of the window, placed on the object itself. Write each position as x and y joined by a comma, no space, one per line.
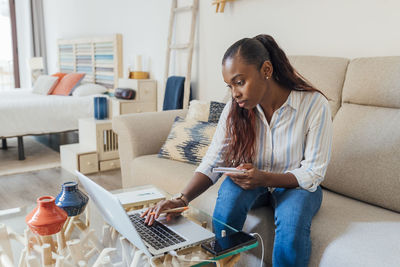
8,56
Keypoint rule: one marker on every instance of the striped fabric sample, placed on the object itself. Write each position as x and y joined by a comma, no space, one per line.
297,140
66,58
95,59
188,140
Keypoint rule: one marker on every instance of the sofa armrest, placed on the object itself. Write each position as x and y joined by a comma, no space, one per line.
144,133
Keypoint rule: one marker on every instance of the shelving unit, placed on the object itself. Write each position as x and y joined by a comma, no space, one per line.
100,58
97,149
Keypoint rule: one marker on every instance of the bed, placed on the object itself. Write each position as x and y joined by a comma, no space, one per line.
25,113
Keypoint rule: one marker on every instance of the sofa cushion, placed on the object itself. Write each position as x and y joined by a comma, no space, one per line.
345,232
325,73
366,155
373,81
208,111
198,110
188,140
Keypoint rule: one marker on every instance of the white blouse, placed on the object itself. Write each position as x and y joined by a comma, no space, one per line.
297,140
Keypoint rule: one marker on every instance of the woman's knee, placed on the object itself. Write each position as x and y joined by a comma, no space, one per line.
232,196
297,205
229,200
234,202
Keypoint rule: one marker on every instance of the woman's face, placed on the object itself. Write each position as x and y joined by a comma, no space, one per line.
247,83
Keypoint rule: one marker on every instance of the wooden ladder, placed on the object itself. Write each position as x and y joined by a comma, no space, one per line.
187,46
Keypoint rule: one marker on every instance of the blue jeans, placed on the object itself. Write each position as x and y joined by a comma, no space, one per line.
293,212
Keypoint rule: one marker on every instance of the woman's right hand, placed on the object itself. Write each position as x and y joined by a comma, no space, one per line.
154,212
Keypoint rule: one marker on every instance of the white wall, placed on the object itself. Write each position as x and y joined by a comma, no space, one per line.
143,25
341,28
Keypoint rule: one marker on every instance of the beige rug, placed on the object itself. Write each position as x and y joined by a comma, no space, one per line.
37,157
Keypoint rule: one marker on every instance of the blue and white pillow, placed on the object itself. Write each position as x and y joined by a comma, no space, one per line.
188,140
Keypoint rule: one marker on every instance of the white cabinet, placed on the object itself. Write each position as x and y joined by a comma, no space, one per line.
88,162
74,157
106,165
145,99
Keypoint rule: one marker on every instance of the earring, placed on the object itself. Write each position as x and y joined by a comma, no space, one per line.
266,77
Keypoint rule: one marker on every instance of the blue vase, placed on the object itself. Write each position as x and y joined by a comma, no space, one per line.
100,108
71,199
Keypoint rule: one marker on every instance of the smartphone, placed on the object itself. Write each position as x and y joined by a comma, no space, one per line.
227,169
228,243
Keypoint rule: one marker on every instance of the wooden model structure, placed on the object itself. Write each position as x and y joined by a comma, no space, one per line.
78,245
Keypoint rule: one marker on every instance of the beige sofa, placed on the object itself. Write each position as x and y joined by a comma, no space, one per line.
359,221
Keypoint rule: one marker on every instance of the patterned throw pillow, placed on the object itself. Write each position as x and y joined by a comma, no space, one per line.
208,111
216,109
60,76
44,84
188,140
68,84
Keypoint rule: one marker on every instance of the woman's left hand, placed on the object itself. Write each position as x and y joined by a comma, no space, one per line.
251,179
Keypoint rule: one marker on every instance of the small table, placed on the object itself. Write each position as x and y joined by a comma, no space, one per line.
15,220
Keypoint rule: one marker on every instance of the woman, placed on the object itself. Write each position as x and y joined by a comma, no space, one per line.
278,129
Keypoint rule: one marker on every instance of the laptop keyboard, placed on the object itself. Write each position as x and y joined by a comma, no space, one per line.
158,235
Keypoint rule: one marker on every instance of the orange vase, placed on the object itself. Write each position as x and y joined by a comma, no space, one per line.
46,218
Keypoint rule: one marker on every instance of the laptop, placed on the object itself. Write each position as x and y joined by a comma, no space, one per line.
153,240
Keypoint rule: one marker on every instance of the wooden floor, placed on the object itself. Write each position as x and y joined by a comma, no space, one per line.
23,189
